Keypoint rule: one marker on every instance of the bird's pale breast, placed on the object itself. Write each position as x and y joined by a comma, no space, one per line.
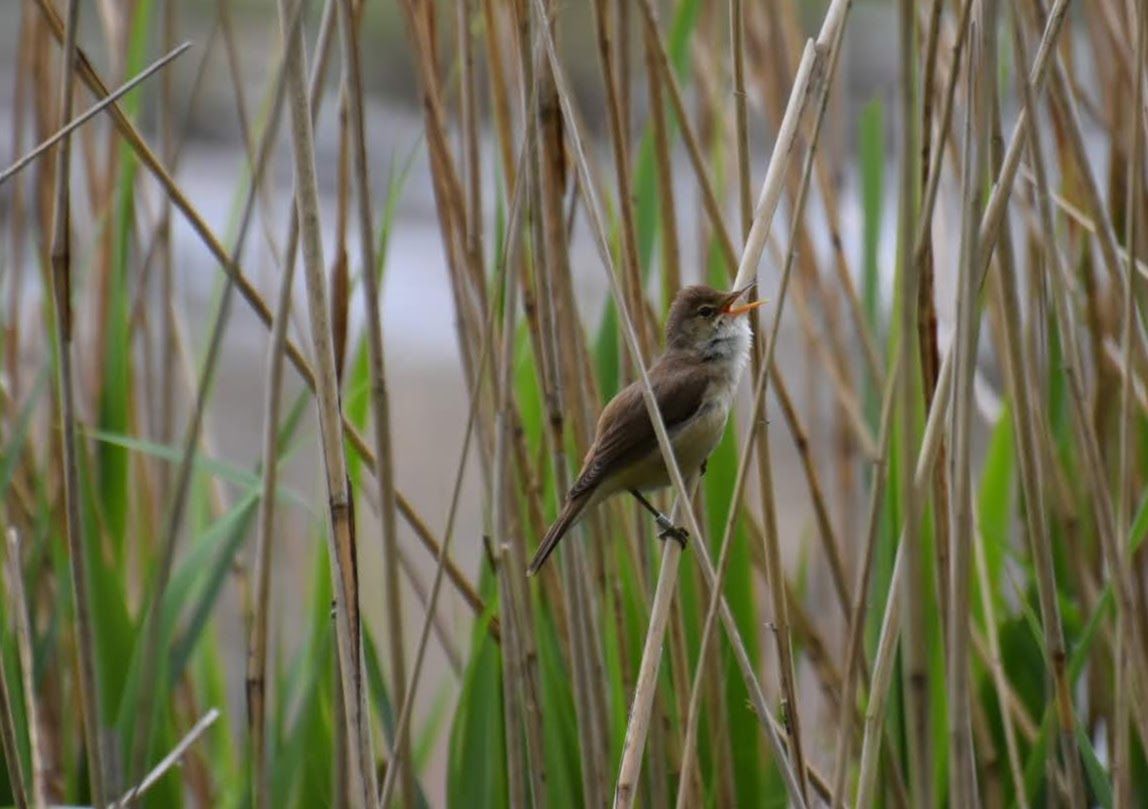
693,441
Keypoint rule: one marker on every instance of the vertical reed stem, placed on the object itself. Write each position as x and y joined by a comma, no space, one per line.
962,788
916,648
341,536
87,681
380,395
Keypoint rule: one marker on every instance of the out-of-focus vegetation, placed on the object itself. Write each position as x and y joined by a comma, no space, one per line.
977,489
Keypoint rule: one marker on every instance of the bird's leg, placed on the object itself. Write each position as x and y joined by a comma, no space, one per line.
669,530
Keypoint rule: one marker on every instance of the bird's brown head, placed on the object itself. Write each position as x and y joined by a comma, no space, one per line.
705,319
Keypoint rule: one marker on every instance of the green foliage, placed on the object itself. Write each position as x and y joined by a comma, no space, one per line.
476,773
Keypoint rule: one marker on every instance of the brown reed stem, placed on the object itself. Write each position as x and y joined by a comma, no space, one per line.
1095,477
667,222
1018,370
995,666
619,132
775,574
853,654
505,278
178,498
341,537
915,649
18,605
988,231
257,658
548,183
981,80
87,681
693,714
92,112
380,395
9,745
1125,671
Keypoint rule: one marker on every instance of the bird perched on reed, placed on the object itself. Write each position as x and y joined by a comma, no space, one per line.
694,382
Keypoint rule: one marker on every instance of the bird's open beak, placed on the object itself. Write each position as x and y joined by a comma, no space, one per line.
741,309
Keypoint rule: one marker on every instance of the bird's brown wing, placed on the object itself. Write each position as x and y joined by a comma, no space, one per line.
625,432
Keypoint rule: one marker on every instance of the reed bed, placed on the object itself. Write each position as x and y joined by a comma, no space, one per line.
951,370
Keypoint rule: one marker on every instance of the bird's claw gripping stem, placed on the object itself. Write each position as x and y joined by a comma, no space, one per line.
671,531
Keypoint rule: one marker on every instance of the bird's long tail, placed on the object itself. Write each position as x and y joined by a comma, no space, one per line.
571,511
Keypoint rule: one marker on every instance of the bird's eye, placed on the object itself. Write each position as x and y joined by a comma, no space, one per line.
706,311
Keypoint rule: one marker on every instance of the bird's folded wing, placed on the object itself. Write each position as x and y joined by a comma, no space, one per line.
625,432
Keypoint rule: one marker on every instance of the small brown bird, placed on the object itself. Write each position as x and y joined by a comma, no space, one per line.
694,381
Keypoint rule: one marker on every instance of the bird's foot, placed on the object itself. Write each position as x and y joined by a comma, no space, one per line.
671,531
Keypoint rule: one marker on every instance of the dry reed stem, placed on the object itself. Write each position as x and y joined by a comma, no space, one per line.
645,685
522,714
92,112
741,123
988,231
619,136
1018,370
341,536
88,685
927,337
166,431
256,675
923,241
694,710
539,155
975,163
810,73
1095,476
775,573
1121,771
513,715
170,760
994,664
18,605
521,685
380,395
9,744
182,482
18,213
879,686
915,650
505,277
667,222
547,187
854,658
257,642
593,209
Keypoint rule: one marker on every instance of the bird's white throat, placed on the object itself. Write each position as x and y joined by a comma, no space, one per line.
728,351
729,347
